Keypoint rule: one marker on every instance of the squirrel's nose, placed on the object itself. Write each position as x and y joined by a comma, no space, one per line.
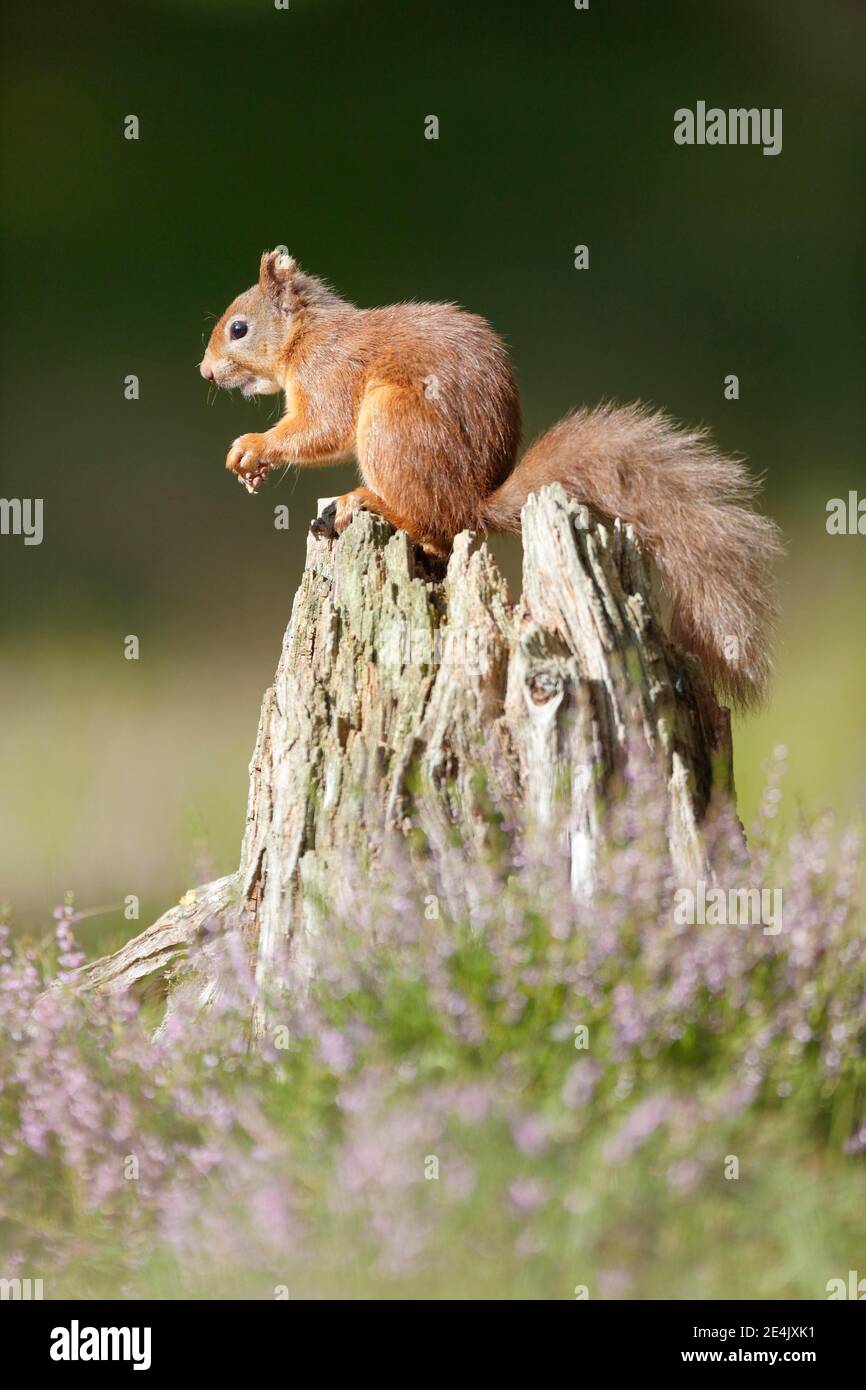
206,371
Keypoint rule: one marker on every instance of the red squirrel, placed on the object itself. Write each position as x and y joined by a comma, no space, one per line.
423,396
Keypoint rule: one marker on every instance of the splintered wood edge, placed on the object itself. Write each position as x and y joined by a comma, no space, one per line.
164,943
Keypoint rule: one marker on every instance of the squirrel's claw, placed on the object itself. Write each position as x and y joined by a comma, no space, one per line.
324,526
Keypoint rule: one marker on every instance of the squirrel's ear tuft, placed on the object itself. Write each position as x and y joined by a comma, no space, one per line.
276,275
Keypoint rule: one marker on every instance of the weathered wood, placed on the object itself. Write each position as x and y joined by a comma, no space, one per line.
161,947
401,686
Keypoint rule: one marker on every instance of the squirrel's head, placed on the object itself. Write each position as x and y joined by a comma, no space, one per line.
250,341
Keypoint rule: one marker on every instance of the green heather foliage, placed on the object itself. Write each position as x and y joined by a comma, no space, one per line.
424,1119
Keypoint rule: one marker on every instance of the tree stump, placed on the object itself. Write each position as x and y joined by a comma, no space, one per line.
401,684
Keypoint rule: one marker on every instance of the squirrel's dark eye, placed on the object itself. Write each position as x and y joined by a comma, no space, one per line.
238,329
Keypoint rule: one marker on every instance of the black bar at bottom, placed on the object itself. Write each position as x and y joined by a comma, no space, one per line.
264,1338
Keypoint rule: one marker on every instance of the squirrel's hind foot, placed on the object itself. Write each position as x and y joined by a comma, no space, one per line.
333,520
324,526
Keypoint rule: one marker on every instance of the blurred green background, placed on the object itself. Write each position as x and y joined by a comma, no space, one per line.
306,127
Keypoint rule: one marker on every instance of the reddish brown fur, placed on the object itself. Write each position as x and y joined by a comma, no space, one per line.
423,395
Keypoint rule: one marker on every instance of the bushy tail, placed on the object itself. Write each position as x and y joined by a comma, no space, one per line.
691,508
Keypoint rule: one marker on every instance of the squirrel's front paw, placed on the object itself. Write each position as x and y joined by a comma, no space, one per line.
246,458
